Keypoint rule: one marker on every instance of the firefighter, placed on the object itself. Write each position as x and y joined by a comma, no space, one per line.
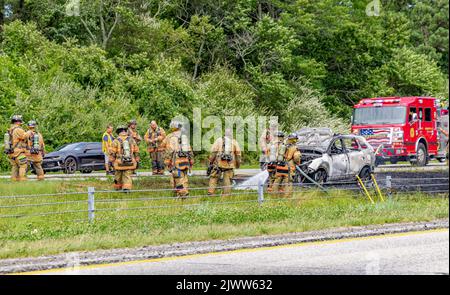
154,137
15,148
132,131
225,157
35,149
107,140
178,159
264,143
272,157
288,157
124,154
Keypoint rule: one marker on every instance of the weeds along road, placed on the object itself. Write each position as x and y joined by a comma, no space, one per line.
425,252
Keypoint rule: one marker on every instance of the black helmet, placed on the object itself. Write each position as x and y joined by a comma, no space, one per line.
31,123
16,118
121,128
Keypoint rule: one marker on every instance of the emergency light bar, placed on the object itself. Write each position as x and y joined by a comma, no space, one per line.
379,102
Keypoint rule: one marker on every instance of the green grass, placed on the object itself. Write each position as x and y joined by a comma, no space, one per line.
208,219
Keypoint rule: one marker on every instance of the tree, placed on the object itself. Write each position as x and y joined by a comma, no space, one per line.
100,18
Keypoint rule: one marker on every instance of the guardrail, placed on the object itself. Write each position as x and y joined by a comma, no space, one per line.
100,201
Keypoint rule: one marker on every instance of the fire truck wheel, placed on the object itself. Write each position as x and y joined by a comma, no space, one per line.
394,161
422,156
379,161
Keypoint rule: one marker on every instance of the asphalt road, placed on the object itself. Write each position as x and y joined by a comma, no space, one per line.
407,253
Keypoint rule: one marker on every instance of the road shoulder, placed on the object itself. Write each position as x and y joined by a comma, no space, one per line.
191,248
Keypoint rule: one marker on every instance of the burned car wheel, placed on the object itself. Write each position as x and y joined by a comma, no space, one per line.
365,174
320,176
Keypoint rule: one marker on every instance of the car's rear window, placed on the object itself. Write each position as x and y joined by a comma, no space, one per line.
68,147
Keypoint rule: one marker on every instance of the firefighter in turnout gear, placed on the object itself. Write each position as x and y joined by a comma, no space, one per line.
124,154
154,137
35,149
133,133
266,139
272,158
225,157
264,143
15,147
288,157
178,159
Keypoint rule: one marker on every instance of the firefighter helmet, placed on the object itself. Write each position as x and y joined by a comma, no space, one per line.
121,128
293,136
175,125
16,118
31,123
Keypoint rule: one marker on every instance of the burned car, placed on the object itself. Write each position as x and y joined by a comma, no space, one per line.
330,157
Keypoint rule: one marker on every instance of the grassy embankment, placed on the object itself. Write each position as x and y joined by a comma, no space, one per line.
33,236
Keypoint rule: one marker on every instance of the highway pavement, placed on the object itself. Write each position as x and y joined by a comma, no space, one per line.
425,252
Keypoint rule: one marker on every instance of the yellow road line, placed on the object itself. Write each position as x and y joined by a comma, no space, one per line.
336,241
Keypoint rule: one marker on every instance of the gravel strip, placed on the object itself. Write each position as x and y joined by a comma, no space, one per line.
180,249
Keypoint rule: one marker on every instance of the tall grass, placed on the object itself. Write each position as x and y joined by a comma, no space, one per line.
206,218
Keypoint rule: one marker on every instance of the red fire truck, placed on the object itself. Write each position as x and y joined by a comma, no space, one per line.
402,128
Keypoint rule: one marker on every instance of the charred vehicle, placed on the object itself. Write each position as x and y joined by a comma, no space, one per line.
329,157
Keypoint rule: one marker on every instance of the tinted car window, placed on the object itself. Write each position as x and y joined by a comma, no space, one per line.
68,147
92,146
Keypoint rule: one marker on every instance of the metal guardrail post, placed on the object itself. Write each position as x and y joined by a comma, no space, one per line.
260,191
389,186
91,204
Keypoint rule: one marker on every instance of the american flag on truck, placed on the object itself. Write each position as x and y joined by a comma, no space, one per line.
377,137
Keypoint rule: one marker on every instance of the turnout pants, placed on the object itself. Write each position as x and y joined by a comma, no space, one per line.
283,183
38,169
18,169
122,179
157,162
271,181
214,179
179,181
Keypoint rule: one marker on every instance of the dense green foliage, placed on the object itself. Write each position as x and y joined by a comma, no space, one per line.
306,61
